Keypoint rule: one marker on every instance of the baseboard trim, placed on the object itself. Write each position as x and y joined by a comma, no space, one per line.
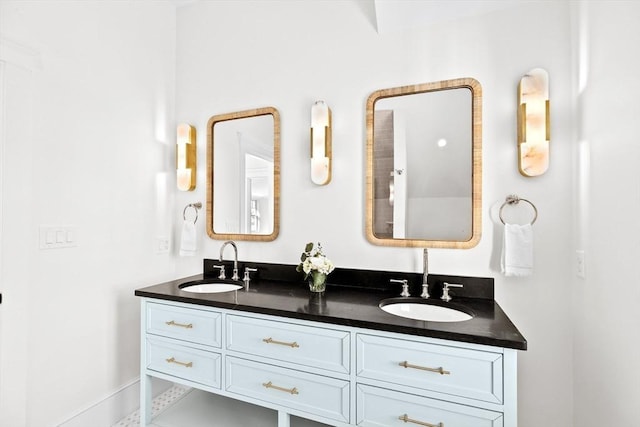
111,409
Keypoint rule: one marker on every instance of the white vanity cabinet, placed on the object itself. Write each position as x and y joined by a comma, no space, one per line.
290,365
334,374
293,389
312,347
444,369
382,407
183,343
408,380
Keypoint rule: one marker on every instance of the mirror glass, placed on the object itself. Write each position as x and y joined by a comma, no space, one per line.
243,175
424,165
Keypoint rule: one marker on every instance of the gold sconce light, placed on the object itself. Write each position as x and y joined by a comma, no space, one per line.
533,123
320,143
186,157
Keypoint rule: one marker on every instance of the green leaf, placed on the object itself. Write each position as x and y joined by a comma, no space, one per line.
303,257
308,247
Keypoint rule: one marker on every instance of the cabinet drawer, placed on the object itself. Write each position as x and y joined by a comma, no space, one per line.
303,345
180,361
315,394
385,408
187,324
457,371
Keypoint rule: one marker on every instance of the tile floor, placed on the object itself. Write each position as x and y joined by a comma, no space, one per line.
159,404
182,406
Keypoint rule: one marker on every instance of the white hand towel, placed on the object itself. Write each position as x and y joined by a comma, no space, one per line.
517,251
188,244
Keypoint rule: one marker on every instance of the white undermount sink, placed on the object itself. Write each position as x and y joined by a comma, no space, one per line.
210,286
422,310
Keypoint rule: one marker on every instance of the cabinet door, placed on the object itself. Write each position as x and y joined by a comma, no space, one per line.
186,324
379,407
178,360
315,394
452,370
318,347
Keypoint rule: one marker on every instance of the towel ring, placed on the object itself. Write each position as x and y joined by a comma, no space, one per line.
195,207
512,199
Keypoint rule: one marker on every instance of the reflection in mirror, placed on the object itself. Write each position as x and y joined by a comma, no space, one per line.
424,165
243,175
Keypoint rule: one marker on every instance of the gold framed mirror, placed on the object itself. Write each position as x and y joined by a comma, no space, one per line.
243,175
424,165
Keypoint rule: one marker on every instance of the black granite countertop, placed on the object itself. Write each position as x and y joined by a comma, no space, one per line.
351,305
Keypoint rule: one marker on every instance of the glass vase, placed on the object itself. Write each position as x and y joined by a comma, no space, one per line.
317,281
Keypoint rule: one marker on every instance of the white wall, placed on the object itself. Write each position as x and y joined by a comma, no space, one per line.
14,248
233,56
88,134
95,151
607,323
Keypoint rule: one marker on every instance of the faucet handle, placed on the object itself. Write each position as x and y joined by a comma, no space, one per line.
405,286
445,290
248,270
222,274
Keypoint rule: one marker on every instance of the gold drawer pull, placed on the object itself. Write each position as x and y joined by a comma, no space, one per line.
186,365
272,341
439,370
182,325
406,419
275,387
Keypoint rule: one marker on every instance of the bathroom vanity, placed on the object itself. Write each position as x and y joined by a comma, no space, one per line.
335,358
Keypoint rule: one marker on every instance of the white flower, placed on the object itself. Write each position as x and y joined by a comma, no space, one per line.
315,260
320,263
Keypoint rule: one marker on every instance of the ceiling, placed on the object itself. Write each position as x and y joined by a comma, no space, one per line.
390,16
399,15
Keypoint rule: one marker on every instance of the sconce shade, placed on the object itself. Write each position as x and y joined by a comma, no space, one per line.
533,123
186,157
320,143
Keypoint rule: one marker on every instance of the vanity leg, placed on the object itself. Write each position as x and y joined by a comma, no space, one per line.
283,419
145,400
510,363
145,380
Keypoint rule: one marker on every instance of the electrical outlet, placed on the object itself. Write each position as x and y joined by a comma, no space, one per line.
162,245
580,264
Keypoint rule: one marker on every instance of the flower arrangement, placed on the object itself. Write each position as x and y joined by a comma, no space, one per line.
315,266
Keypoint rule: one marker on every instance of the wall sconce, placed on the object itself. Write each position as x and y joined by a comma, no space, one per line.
186,157
320,143
533,123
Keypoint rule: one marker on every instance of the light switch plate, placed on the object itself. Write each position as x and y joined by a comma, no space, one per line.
58,236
